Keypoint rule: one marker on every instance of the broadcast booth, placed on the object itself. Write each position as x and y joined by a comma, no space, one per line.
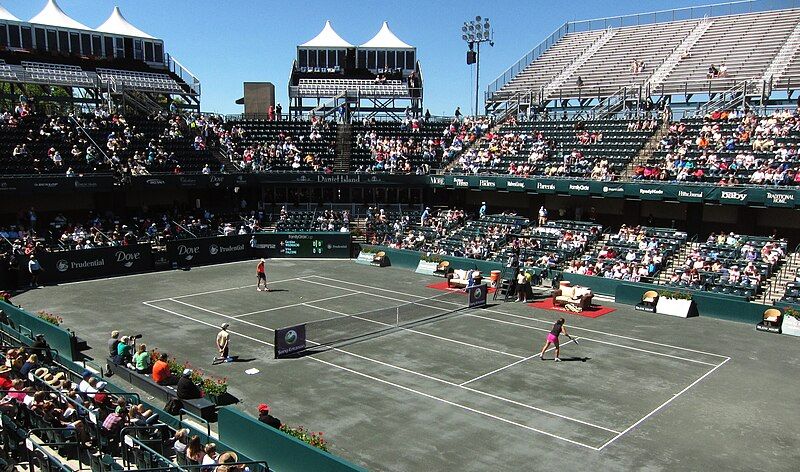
382,77
115,62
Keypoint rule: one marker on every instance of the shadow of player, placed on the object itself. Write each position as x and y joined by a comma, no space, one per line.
574,359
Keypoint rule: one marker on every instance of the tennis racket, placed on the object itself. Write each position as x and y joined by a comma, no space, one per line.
572,339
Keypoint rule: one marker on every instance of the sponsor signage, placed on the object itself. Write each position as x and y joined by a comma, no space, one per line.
651,192
516,185
607,189
780,198
544,186
289,341
477,295
691,194
81,264
213,250
733,196
436,181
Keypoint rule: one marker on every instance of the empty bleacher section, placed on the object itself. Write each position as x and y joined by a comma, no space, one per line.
600,149
139,80
680,52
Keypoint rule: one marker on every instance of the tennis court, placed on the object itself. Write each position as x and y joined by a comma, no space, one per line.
461,391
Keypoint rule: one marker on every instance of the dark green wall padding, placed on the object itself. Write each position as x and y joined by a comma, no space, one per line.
284,453
57,337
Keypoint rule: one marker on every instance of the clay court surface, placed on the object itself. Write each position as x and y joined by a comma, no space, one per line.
466,391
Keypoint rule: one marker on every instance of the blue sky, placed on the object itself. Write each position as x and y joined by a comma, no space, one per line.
229,42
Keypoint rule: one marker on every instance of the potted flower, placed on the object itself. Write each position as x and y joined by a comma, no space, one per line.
675,303
49,317
791,322
309,437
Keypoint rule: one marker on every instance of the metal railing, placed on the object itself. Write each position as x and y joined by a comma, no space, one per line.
181,71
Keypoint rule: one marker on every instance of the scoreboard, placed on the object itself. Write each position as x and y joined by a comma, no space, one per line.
303,245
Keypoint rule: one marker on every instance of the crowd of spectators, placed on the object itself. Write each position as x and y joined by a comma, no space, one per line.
730,147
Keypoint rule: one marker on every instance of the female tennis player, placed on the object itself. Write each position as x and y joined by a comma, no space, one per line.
552,338
261,275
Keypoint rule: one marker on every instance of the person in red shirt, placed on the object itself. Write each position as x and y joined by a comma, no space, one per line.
261,275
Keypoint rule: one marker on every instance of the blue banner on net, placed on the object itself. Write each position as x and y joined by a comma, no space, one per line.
289,341
477,295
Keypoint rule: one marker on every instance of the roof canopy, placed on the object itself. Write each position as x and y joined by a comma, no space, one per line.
117,24
327,38
385,39
5,15
53,15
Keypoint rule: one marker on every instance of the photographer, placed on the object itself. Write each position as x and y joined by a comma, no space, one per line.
125,349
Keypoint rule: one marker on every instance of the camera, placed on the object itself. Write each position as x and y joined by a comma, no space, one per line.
136,336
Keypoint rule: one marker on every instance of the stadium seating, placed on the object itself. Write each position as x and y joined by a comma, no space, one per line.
261,145
598,148
551,245
397,147
732,148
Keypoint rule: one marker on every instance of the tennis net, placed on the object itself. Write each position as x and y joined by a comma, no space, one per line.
347,328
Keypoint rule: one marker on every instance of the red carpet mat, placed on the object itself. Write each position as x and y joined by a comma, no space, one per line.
595,311
444,288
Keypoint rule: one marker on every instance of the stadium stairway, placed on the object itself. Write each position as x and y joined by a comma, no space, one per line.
775,287
647,151
344,147
675,261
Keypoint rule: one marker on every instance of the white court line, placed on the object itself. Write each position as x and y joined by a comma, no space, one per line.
662,405
510,365
622,346
386,382
217,291
575,328
411,330
292,305
403,369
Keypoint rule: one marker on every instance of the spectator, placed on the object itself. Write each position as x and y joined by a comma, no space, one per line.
161,372
265,417
35,269
112,343
210,458
114,422
141,360
194,450
186,388
30,364
180,441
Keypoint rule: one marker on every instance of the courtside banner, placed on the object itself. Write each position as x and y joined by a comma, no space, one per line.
212,250
477,295
82,264
289,340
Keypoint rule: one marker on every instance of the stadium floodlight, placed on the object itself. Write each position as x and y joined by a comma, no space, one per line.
476,32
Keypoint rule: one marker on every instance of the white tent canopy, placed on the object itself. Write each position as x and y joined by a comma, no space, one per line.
117,24
327,38
53,15
6,15
385,39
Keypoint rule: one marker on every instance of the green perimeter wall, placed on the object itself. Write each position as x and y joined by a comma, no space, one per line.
57,337
258,441
708,304
406,259
627,293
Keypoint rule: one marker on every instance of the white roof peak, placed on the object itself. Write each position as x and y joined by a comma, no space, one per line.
117,24
327,38
53,15
385,39
6,15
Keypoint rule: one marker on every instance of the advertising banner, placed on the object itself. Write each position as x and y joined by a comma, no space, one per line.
98,262
477,295
212,250
289,341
